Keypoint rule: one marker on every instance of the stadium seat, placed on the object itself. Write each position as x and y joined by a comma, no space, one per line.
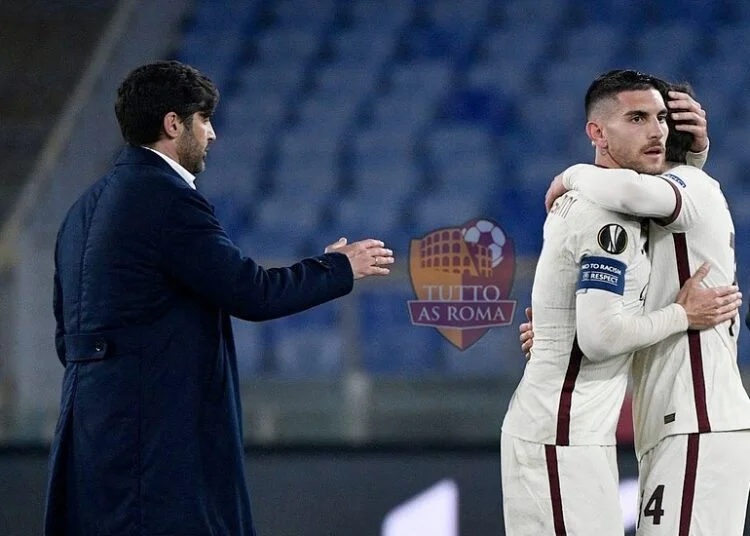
308,344
398,117
390,344
285,44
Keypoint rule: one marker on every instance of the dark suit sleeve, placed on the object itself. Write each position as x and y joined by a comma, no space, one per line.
59,323
747,319
198,253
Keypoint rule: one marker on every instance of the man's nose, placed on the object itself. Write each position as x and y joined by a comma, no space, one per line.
656,129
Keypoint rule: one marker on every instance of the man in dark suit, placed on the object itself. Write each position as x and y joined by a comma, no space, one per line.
149,438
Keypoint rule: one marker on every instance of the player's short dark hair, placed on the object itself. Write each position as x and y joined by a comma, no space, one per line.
678,141
611,83
151,91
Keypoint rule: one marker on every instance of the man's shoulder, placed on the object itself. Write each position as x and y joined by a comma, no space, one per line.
578,212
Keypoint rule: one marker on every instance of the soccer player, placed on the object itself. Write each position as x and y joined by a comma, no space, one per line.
559,471
691,411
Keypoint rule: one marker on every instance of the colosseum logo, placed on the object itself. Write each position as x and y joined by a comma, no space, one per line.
462,277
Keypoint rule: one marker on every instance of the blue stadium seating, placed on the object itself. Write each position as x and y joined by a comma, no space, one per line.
393,118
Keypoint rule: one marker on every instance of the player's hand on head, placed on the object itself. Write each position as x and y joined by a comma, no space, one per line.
555,190
707,307
689,116
527,334
367,257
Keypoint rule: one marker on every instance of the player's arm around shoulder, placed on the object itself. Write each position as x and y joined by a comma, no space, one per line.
695,193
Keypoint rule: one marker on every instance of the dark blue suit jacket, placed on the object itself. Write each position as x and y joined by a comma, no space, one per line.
149,438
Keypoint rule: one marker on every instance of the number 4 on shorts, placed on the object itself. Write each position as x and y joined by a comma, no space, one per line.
653,506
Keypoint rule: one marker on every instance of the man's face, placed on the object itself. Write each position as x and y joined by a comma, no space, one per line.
192,143
636,131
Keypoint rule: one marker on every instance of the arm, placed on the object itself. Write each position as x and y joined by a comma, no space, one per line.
622,190
605,331
604,327
198,253
629,192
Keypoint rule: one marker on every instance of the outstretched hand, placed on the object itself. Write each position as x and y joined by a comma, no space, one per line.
707,307
367,257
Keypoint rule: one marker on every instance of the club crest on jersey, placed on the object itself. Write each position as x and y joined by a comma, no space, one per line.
613,238
462,277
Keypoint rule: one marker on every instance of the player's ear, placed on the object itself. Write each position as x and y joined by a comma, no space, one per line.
596,134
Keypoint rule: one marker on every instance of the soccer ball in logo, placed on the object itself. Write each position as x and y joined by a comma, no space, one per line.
487,234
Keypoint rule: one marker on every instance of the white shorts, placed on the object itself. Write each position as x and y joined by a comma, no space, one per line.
695,485
552,490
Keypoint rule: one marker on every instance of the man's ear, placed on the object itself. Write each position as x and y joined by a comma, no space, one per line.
171,125
596,134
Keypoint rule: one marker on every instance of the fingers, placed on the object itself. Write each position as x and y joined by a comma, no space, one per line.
341,242
528,313
690,116
369,257
683,101
380,252
550,197
527,335
555,190
730,292
376,270
369,243
693,129
730,308
527,341
381,256
701,272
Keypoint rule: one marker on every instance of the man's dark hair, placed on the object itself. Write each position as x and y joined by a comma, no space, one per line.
151,91
611,83
678,142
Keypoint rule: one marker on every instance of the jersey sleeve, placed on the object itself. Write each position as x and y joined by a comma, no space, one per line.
665,198
606,246
690,187
605,331
697,160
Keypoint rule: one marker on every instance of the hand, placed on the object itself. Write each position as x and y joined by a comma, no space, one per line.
555,190
707,307
527,335
367,257
689,117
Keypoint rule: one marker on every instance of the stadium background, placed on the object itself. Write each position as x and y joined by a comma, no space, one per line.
386,118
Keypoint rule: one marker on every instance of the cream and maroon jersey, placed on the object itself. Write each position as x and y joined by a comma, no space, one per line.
565,398
690,382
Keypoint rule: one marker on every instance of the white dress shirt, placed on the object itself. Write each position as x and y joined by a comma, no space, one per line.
181,171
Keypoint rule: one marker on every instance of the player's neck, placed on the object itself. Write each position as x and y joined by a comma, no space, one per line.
603,159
